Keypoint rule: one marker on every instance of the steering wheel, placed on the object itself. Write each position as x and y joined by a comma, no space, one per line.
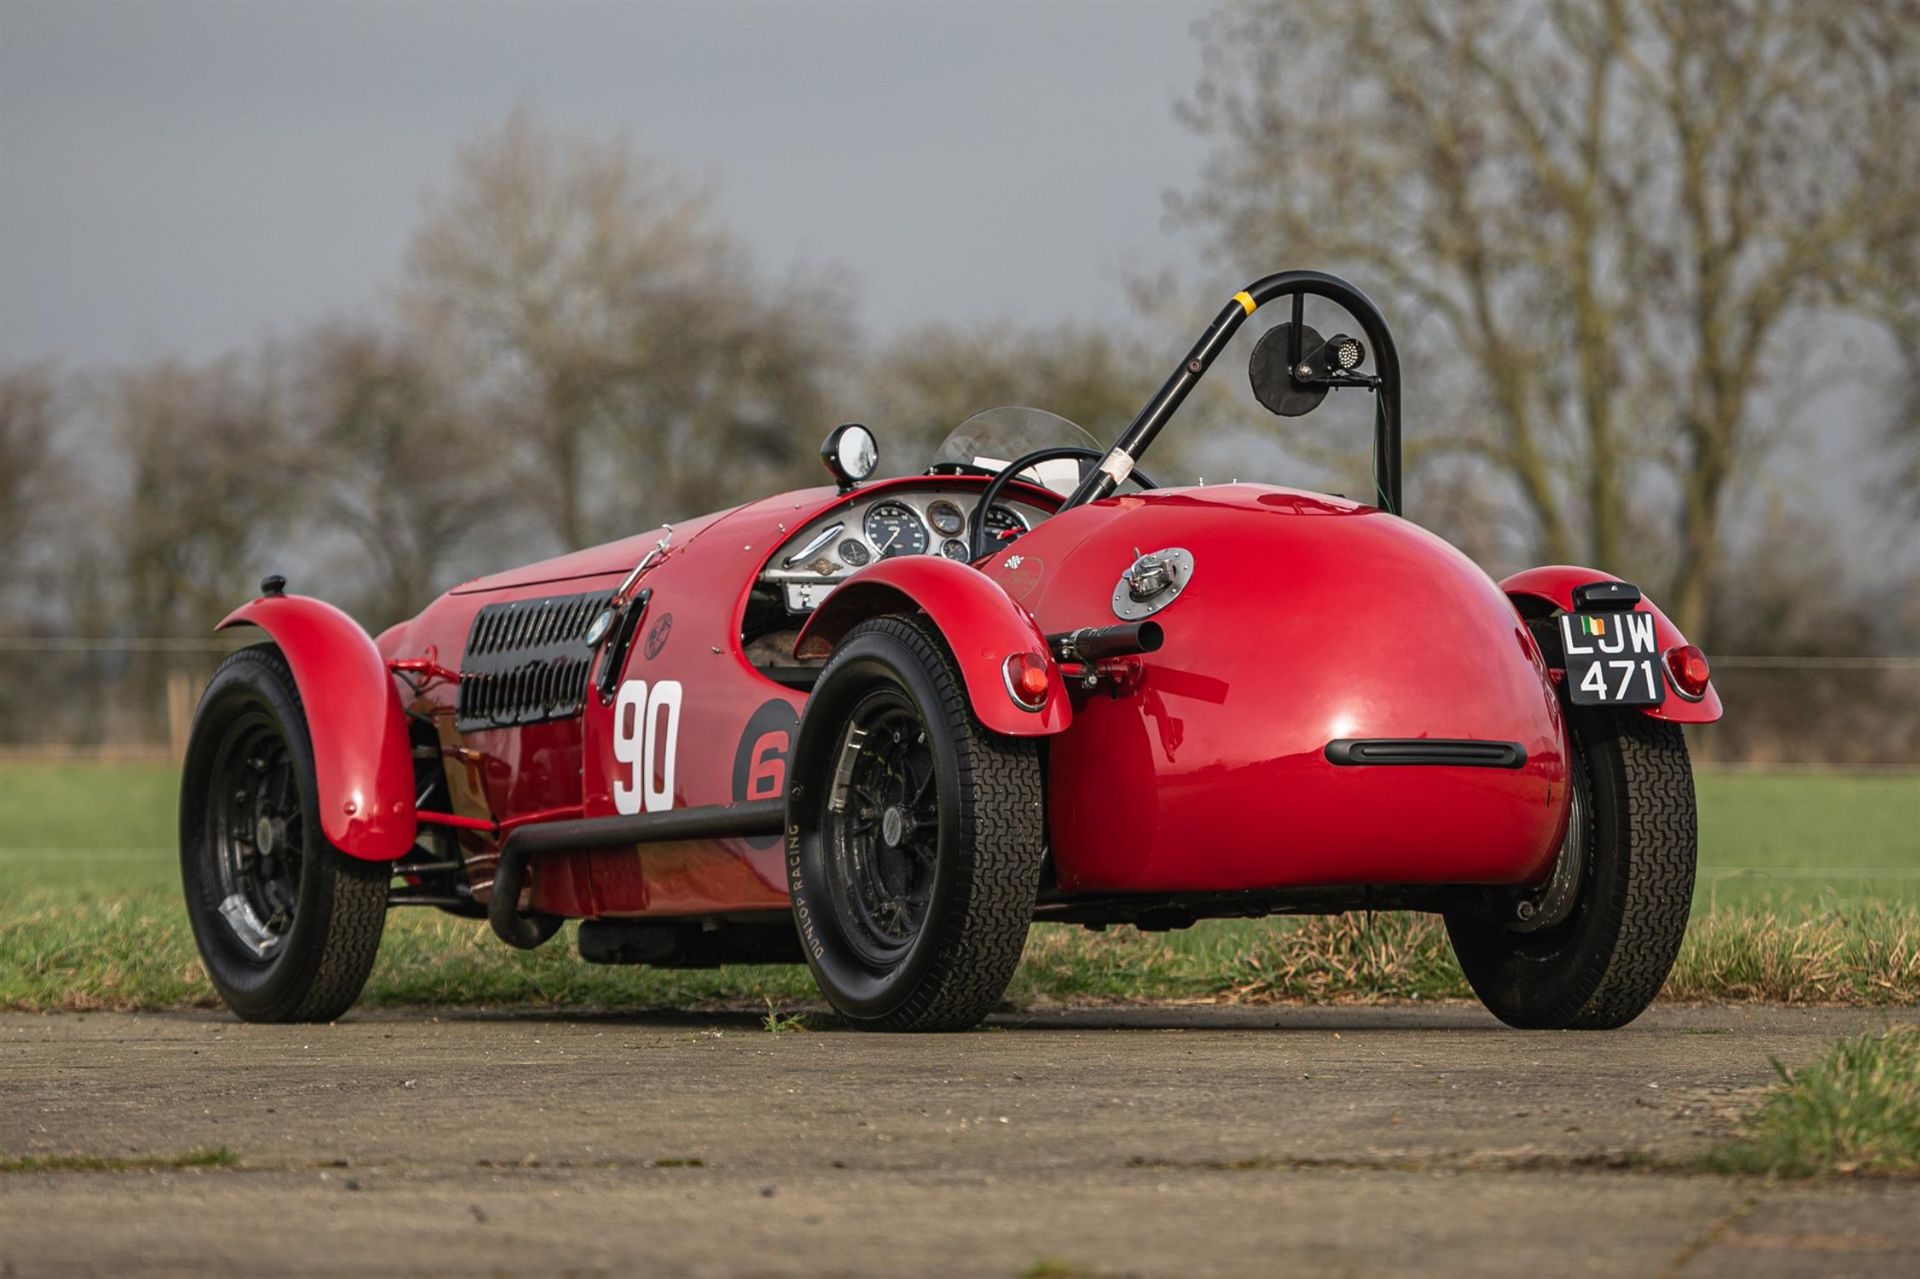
977,523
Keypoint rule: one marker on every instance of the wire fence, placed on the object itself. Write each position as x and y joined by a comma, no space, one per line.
169,644
134,697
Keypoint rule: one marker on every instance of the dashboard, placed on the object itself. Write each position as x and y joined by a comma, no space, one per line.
893,523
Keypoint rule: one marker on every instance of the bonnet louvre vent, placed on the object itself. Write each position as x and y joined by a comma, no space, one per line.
526,662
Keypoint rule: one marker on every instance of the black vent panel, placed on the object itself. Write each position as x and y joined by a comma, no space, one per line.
1426,750
527,661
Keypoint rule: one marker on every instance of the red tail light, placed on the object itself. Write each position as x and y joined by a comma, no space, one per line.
1027,681
1687,666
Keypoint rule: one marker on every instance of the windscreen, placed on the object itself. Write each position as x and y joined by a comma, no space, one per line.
991,439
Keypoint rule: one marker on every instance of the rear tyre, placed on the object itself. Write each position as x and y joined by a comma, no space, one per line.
914,837
287,925
1603,964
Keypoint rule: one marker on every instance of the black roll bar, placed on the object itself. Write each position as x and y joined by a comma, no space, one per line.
1134,441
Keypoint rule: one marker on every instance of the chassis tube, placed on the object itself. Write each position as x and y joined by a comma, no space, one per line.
1134,441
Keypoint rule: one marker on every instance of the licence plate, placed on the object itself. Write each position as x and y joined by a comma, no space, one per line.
1612,659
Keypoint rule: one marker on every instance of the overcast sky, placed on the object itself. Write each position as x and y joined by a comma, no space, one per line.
183,178
186,178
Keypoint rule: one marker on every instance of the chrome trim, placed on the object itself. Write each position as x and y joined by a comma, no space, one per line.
828,534
1666,673
1179,564
1006,680
659,548
852,513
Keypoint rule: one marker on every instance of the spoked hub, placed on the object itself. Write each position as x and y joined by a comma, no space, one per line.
882,827
258,834
1553,901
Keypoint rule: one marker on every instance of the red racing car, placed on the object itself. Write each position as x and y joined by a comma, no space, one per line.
882,726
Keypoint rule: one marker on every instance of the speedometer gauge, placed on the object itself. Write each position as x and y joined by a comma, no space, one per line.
894,529
1004,524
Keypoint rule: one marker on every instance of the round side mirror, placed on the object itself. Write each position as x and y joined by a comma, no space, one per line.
1272,372
850,454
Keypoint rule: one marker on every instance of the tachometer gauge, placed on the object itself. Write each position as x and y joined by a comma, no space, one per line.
1004,524
946,518
854,553
894,529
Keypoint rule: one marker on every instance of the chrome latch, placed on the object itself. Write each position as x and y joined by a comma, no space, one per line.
1152,582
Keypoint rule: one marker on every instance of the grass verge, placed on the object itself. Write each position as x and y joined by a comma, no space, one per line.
1856,1110
203,1157
67,953
1866,956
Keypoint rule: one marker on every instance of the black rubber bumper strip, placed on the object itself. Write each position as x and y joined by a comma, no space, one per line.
1425,750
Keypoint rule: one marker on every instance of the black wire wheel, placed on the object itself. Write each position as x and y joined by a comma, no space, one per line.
882,826
1591,948
258,833
286,924
915,837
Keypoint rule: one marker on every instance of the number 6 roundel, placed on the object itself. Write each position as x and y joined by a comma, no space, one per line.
646,740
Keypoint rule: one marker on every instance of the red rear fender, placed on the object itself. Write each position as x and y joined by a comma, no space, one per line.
982,627
362,761
1554,583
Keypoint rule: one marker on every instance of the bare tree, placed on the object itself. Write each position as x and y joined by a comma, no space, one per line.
931,379
27,465
1620,219
214,489
597,306
1901,316
401,471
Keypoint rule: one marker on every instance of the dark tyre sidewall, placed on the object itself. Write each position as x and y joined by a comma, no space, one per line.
1555,978
1515,973
256,683
858,989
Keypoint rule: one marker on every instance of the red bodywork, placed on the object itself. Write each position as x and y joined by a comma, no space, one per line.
362,763
1552,585
1198,768
1308,619
982,625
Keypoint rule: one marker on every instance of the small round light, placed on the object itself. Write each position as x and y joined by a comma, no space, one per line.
1687,668
1027,680
598,628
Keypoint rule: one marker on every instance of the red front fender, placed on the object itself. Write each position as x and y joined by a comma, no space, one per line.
981,625
1554,584
362,760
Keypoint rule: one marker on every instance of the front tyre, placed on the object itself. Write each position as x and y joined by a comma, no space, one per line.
287,925
1603,964
915,837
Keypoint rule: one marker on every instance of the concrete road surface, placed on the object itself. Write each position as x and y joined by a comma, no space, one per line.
1188,1141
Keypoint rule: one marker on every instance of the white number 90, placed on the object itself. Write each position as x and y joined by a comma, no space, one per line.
645,745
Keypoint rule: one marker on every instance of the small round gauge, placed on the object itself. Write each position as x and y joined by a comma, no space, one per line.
946,518
955,549
1004,524
894,529
854,552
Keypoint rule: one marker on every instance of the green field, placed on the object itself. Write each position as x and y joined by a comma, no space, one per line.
1776,839
1809,890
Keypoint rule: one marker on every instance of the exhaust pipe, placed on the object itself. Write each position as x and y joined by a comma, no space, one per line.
1091,644
714,821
